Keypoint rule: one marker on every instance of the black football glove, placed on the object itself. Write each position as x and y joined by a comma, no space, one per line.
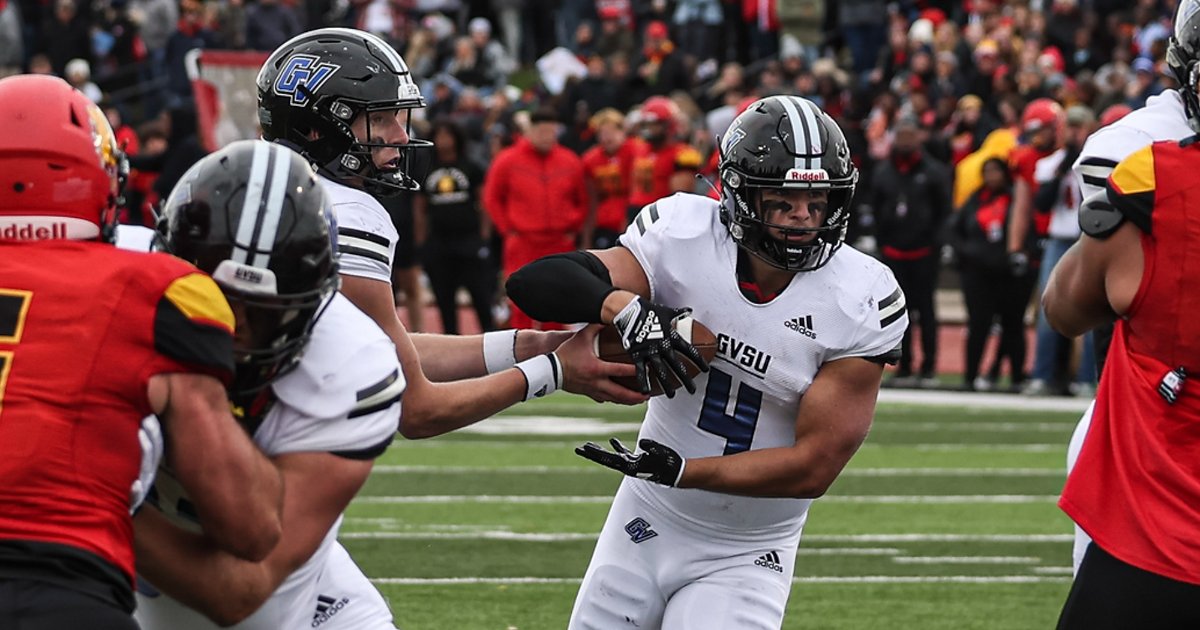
657,462
649,336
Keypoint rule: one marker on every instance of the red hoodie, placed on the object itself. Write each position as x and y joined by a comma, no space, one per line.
526,192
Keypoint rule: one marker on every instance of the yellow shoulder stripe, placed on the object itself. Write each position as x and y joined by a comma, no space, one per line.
1135,174
688,158
199,298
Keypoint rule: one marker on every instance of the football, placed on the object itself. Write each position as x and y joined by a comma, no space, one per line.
608,347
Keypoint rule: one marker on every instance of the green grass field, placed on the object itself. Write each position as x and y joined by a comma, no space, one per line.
944,520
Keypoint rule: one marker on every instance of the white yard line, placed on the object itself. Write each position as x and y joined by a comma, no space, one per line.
976,400
966,559
849,472
518,499
864,579
812,539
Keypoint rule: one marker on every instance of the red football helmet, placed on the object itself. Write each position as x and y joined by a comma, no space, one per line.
1040,113
660,109
60,166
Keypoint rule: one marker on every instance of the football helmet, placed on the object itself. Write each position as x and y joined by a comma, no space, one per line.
61,170
1042,113
255,218
1183,51
314,86
785,142
659,109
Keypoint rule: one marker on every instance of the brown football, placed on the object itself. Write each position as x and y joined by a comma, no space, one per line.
609,348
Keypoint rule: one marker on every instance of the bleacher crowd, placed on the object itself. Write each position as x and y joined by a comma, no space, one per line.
959,113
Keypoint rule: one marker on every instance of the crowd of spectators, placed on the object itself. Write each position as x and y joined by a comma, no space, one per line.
932,95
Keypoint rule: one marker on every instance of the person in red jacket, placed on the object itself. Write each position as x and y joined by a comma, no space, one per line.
664,165
608,167
535,195
1043,122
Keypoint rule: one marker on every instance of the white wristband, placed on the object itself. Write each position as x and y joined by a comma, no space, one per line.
543,375
499,350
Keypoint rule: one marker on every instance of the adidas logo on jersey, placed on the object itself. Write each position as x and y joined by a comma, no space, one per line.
327,607
802,325
769,560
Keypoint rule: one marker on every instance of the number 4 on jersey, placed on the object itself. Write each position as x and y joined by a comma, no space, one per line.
14,305
737,429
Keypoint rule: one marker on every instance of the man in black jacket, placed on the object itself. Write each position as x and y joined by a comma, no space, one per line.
910,195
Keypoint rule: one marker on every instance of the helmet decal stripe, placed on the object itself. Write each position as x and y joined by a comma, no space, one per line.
390,53
250,203
277,188
794,117
815,147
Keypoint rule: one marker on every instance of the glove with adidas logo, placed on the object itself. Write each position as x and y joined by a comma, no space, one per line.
649,336
657,462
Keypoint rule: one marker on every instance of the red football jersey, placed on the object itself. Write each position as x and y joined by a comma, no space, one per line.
653,168
83,327
609,175
1136,485
1023,164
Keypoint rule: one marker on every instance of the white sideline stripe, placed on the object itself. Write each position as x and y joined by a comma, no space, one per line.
849,472
976,400
1054,570
549,425
899,538
966,559
816,538
553,500
951,448
849,551
1028,447
999,427
864,579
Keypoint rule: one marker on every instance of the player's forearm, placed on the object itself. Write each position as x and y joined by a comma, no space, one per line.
192,570
791,472
447,358
1018,224
237,491
437,408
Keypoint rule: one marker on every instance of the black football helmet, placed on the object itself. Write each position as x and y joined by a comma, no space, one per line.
311,89
1183,51
785,142
255,218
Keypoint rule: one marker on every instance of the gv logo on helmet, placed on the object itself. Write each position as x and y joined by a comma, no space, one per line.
806,175
302,76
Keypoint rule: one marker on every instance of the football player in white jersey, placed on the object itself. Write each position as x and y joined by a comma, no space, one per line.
1171,115
343,98
317,386
703,533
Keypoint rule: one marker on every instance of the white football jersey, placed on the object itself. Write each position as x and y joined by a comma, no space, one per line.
137,238
366,235
1163,118
767,354
342,398
1064,216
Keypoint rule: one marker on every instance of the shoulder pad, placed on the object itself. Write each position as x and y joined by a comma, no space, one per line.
1098,218
348,365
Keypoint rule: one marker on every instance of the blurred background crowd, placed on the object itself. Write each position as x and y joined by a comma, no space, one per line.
556,120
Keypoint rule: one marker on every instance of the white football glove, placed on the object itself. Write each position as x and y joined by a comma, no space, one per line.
151,440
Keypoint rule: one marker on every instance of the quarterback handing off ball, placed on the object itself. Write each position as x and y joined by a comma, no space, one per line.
608,347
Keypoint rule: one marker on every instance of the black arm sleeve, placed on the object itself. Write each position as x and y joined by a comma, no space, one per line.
566,288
